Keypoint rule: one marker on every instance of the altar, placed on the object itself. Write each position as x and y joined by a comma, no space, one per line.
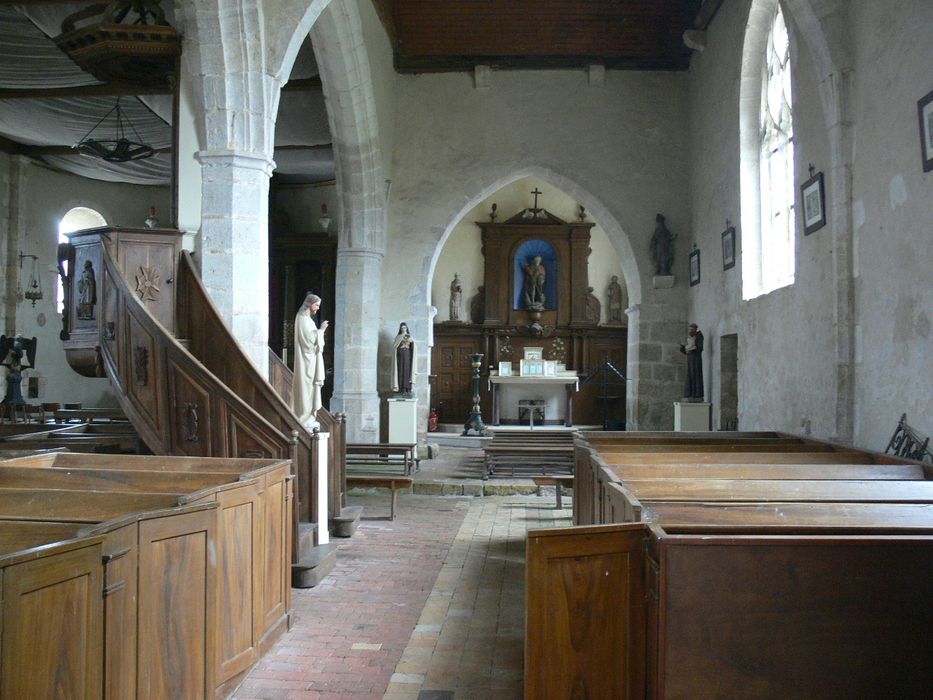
557,393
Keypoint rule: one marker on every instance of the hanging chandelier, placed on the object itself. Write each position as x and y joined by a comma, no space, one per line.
33,291
118,149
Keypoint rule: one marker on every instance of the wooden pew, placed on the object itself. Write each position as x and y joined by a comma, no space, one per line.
894,472
249,512
85,415
393,483
529,454
386,454
717,595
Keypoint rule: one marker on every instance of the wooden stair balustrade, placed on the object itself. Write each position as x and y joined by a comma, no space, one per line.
201,397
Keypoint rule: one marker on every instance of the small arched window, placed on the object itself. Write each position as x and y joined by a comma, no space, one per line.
75,219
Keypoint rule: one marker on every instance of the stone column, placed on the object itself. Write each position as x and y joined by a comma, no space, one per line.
13,173
233,249
656,367
356,341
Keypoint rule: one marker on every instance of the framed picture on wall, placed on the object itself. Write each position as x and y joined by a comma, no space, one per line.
694,267
814,204
925,109
505,369
728,248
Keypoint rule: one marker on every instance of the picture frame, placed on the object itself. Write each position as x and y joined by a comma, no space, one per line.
694,267
550,368
505,369
925,112
531,368
728,248
532,353
814,204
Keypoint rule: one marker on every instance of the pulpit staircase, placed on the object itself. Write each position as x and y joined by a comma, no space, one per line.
185,383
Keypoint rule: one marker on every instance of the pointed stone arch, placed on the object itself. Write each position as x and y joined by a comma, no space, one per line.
618,237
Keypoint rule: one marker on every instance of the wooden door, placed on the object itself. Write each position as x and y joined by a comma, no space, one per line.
451,364
573,649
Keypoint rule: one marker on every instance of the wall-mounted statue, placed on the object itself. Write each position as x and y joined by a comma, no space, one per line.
309,361
403,362
693,349
456,295
662,248
535,276
87,292
616,305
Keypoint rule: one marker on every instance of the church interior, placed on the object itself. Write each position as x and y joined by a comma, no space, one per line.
670,255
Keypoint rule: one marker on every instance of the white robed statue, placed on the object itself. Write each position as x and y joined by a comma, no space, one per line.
309,361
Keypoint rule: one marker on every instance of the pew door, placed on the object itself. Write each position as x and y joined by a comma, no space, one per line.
585,612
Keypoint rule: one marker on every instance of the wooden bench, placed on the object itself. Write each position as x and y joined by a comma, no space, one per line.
529,453
747,566
558,482
88,415
148,511
383,454
393,483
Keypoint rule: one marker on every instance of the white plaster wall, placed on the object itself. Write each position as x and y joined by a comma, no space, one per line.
620,149
893,219
49,195
462,252
786,338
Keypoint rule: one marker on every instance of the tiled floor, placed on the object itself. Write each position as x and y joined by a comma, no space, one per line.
427,607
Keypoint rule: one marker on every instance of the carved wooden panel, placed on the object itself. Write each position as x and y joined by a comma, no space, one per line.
190,421
245,438
148,264
121,555
147,395
454,386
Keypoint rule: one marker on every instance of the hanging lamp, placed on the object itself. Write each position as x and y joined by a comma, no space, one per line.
118,149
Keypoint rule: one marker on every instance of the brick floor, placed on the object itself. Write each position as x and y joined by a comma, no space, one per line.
430,606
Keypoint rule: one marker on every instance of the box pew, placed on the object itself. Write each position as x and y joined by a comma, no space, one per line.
51,612
734,598
252,520
88,445
895,472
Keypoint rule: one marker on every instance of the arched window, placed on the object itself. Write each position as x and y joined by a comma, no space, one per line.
768,217
74,220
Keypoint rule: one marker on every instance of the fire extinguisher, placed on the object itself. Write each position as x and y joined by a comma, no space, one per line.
432,421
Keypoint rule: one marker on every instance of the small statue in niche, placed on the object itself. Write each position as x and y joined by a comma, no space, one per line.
616,305
403,362
693,349
593,307
478,306
87,292
535,275
456,294
662,248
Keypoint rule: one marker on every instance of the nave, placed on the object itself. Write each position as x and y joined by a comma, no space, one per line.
430,606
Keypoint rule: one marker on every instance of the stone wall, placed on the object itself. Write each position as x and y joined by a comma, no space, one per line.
858,125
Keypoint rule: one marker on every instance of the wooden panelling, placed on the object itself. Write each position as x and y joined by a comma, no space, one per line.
120,585
53,626
142,378
177,613
573,654
190,413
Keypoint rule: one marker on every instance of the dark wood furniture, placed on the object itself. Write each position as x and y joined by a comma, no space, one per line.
393,483
362,456
680,584
564,329
529,454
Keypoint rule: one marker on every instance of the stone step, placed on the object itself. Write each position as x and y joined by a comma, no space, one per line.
313,567
345,524
478,487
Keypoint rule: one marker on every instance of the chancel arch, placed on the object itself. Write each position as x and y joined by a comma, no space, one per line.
460,250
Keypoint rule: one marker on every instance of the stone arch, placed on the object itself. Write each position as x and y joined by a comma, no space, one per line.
596,210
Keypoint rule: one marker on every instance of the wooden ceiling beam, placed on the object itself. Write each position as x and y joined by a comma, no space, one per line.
105,90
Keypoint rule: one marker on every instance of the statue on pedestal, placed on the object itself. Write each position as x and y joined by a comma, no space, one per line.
456,294
403,362
615,300
535,274
693,349
662,248
12,352
309,361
